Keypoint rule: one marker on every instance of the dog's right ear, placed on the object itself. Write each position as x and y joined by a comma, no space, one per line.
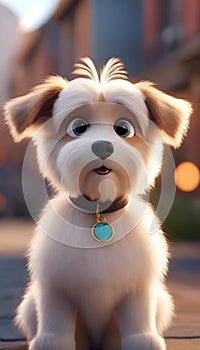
170,114
26,113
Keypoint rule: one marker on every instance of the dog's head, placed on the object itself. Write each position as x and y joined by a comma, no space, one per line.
99,138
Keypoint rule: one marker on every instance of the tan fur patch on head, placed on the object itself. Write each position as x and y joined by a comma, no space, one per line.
101,97
170,114
34,108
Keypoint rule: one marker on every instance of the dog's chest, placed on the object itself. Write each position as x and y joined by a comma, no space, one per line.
115,266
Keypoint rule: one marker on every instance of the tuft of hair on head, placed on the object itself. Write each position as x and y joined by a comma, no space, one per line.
87,69
113,69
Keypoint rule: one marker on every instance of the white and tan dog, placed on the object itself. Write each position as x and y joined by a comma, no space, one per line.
100,143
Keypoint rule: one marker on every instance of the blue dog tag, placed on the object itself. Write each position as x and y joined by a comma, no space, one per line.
102,231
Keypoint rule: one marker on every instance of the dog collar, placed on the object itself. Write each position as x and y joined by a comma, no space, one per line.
101,230
85,204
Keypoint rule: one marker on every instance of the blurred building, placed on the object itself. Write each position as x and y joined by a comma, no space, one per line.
10,165
8,40
171,57
157,40
79,28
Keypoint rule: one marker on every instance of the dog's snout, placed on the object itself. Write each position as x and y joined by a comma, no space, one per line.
102,149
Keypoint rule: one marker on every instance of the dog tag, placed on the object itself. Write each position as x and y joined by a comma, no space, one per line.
102,231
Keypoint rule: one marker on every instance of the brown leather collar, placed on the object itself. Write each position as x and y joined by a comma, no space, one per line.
86,204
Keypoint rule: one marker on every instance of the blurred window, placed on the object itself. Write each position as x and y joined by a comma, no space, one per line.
117,31
170,24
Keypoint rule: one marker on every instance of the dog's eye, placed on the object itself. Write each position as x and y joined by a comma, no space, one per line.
77,127
124,128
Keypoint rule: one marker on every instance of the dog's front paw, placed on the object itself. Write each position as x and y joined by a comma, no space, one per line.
148,341
52,342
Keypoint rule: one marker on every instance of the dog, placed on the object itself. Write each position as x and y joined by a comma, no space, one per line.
99,141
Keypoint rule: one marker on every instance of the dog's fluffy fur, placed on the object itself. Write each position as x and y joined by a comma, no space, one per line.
84,278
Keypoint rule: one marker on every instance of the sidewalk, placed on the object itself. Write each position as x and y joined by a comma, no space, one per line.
183,282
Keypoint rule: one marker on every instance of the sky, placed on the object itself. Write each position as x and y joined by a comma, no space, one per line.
32,13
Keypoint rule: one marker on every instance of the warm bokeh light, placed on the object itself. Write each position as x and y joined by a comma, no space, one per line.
2,201
187,176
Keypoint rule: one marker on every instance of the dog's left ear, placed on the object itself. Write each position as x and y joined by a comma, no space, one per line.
26,113
170,114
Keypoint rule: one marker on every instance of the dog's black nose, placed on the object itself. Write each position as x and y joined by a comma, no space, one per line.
102,149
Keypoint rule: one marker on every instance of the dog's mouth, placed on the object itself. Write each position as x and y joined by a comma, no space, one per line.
103,170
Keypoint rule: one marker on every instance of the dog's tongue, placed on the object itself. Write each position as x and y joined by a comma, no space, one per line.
102,170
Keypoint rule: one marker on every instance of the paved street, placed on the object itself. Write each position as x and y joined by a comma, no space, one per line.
184,284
